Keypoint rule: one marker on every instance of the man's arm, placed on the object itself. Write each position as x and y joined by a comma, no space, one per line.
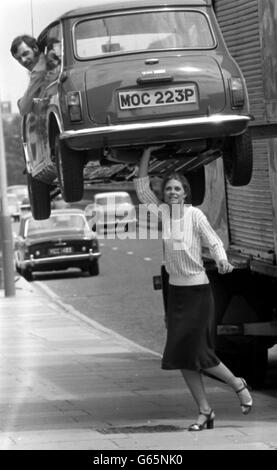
36,80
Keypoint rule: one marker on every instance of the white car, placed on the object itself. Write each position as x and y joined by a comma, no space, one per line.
13,206
112,210
20,190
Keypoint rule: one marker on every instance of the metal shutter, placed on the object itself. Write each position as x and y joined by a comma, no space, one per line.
249,207
239,23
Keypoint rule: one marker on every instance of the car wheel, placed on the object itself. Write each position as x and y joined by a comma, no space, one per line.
39,195
27,274
70,165
238,159
18,269
197,183
94,268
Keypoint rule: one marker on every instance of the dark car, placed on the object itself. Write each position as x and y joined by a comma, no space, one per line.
62,241
130,74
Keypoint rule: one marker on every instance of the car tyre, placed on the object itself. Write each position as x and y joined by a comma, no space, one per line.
238,159
93,268
70,165
39,195
27,274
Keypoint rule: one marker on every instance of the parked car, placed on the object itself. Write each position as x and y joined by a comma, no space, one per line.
112,210
13,207
20,190
133,74
62,241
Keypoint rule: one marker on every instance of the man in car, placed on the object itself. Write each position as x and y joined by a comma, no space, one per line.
26,51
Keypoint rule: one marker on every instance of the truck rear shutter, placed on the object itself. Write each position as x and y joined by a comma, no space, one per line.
249,207
239,23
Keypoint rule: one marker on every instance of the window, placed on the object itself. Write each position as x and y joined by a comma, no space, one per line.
184,29
56,223
53,52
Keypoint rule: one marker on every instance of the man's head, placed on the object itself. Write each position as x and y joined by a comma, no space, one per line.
53,53
25,50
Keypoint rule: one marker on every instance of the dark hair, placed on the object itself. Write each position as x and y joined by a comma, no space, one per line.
182,179
50,43
29,40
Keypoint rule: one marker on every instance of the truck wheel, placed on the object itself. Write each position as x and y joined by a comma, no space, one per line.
70,165
238,159
39,195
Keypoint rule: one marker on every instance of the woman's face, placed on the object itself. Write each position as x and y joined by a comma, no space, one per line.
174,192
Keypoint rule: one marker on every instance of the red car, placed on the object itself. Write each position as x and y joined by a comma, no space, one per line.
130,74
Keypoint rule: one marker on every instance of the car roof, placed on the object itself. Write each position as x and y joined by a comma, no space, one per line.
115,193
12,196
17,186
115,5
58,211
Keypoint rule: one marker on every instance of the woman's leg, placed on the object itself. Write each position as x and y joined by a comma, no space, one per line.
223,373
195,384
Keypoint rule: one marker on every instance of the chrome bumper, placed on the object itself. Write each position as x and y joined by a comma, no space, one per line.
188,128
33,262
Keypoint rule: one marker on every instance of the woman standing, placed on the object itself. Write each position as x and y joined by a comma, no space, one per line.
190,307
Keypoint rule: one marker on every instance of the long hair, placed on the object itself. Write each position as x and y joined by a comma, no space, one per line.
182,179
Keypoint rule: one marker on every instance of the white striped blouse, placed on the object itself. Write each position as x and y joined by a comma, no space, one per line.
183,238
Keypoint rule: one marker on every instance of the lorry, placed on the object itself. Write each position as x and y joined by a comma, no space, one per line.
246,217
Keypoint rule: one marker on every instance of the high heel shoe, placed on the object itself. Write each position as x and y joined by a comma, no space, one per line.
245,407
209,422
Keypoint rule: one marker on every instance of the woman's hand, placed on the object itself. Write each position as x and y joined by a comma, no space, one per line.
224,266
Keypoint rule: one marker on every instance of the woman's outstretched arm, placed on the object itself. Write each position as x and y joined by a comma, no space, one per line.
145,158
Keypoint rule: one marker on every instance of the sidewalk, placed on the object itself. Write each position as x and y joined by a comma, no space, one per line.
67,383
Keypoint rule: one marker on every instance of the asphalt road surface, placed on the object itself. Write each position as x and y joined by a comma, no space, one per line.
122,297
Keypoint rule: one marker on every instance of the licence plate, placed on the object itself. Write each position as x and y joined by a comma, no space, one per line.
157,97
60,250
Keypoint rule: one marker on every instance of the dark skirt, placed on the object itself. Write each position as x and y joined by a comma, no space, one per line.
190,342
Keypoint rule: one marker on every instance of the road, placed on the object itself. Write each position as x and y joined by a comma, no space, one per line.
122,296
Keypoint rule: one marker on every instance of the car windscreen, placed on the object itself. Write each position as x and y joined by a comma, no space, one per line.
131,32
61,222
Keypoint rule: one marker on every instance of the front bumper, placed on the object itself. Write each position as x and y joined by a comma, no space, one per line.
171,130
59,261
